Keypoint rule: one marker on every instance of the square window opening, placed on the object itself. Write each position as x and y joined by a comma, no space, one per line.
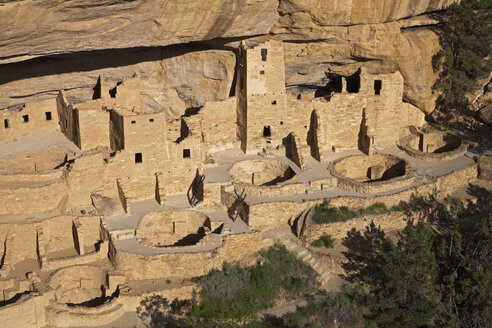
264,54
138,158
378,85
48,116
186,153
262,72
6,123
281,123
25,118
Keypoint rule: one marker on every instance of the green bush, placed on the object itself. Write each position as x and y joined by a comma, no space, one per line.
325,213
377,207
324,241
236,292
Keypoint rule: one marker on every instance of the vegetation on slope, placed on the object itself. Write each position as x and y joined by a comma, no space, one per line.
465,58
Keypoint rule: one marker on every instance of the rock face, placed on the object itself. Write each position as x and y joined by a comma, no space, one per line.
33,28
51,44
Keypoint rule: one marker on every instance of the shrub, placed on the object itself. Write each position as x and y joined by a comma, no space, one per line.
324,241
325,213
236,292
377,207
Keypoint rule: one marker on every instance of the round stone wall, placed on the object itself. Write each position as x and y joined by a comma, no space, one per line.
79,284
433,146
172,228
261,172
371,173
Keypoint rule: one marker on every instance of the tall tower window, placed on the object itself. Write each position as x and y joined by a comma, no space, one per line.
378,85
138,157
263,54
25,118
267,131
6,123
48,116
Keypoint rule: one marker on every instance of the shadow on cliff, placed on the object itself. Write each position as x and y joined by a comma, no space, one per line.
84,61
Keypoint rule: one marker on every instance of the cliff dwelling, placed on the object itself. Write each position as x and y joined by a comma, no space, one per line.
103,198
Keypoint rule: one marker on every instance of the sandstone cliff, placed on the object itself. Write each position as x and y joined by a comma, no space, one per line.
186,45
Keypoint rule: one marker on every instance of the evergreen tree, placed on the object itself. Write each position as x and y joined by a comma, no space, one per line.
464,255
466,37
400,277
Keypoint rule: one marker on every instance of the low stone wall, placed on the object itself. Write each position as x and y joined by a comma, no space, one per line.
186,265
62,315
384,162
34,162
406,146
271,191
387,221
27,312
269,215
373,187
32,200
54,264
33,177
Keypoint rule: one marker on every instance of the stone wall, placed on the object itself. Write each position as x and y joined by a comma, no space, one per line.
264,216
32,118
218,124
387,221
32,200
34,162
58,236
186,265
93,126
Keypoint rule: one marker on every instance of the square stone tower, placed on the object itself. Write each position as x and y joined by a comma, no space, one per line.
260,87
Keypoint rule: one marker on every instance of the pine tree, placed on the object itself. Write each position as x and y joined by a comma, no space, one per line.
466,37
400,277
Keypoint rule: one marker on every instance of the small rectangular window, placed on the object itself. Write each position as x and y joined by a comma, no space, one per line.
274,102
25,118
133,122
48,116
262,72
6,123
138,157
151,120
378,84
263,54
186,153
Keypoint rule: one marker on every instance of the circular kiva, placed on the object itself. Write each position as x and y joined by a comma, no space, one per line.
34,162
172,228
261,172
79,285
433,146
371,173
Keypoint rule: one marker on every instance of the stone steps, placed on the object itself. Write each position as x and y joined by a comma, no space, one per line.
304,255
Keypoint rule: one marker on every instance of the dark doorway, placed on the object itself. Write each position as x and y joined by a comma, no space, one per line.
378,85
138,157
48,116
186,153
266,131
25,118
353,83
